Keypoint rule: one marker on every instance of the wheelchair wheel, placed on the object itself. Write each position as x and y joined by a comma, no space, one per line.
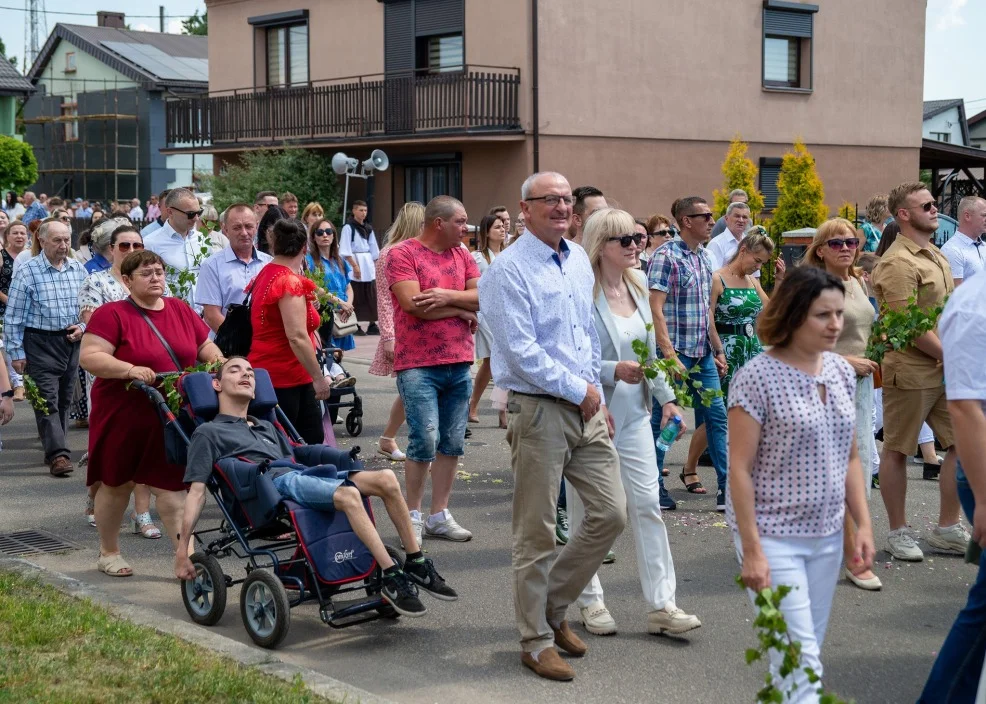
354,423
205,596
265,609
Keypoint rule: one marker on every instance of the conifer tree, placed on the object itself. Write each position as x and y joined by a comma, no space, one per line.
738,171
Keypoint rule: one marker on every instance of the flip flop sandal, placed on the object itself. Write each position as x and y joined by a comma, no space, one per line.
694,487
114,566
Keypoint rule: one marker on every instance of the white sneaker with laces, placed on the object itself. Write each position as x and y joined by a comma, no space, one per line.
417,523
953,539
672,620
597,619
903,546
445,527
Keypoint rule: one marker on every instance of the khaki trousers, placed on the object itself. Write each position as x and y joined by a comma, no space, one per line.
549,440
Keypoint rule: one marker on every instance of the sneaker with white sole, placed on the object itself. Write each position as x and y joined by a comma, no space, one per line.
672,620
953,539
446,528
901,544
720,500
418,524
597,619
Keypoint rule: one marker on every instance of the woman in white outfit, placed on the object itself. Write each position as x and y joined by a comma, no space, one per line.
622,313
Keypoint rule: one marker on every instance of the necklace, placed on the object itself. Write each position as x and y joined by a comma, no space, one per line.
616,292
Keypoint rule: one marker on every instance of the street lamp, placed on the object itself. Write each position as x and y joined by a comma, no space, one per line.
352,168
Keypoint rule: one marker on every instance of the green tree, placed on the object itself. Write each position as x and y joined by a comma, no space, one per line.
18,167
306,174
738,171
3,52
196,24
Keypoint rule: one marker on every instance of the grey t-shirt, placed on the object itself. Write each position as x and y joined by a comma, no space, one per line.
231,436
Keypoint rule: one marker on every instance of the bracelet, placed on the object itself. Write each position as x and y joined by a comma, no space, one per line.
126,374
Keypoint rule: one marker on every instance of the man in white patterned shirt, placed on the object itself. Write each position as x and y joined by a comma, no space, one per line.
965,250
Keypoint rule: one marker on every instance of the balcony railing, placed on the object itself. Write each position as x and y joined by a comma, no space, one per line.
474,99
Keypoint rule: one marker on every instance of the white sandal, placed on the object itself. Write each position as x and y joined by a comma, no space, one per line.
142,523
91,510
394,455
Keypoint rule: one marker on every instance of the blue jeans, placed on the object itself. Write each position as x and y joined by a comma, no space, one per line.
954,677
436,400
714,417
311,487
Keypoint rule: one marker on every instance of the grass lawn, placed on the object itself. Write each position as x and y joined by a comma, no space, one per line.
54,648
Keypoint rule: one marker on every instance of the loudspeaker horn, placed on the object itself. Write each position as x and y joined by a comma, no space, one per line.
378,161
342,163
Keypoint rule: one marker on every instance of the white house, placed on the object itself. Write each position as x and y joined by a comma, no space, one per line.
944,121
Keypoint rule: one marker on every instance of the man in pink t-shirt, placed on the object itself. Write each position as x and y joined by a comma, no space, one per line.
433,286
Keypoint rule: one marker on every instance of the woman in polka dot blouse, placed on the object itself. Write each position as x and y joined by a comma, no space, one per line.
793,462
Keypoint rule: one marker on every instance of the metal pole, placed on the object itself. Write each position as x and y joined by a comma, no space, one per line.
345,200
161,12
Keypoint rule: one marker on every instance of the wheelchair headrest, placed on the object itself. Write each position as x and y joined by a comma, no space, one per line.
204,401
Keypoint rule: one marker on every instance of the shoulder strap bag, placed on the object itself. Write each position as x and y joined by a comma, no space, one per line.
235,336
153,327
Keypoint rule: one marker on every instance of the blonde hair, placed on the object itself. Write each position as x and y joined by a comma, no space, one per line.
601,225
755,240
406,225
311,209
826,231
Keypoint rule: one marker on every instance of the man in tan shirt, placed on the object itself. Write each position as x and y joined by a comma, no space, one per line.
913,388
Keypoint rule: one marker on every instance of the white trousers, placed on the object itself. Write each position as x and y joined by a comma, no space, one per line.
638,470
811,566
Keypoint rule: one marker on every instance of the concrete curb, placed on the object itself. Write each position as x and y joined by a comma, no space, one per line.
246,655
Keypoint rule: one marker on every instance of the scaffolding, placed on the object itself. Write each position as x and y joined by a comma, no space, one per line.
87,140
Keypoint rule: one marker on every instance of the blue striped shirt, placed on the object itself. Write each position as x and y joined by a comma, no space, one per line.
41,297
538,306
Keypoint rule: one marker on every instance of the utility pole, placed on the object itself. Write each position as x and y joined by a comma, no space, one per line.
161,13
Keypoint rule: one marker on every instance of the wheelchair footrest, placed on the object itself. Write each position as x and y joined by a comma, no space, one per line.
350,613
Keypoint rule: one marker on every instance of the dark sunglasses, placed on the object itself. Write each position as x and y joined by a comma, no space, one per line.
190,214
706,216
127,246
926,207
662,233
625,240
319,233
850,243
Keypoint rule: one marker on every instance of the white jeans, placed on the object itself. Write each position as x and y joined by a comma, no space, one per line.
638,470
811,566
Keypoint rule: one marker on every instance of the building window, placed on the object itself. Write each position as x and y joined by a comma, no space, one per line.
287,55
770,171
70,62
422,182
71,126
787,45
439,54
941,136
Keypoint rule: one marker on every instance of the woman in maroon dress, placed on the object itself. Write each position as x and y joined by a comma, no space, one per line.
284,320
126,439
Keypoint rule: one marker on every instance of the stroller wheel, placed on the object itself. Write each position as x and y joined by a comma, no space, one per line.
265,609
354,423
205,596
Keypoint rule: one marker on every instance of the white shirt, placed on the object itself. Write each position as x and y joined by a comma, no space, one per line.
180,254
962,329
136,213
964,255
364,251
722,248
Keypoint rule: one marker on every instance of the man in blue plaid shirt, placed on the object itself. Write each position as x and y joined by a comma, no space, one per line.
42,332
680,280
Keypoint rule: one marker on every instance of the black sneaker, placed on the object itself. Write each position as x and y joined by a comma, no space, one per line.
426,577
931,471
359,331
372,329
720,500
400,593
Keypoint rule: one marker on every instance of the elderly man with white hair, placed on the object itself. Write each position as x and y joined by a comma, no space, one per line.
737,195
966,250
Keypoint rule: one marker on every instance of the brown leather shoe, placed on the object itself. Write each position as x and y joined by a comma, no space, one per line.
60,466
549,665
566,639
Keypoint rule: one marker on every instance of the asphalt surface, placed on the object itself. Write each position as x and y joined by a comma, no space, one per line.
879,648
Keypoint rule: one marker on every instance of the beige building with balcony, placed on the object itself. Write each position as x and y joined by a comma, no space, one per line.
640,99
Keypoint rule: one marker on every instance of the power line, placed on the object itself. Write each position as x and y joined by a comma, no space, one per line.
91,14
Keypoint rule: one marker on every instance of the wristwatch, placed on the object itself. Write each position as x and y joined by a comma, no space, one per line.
7,394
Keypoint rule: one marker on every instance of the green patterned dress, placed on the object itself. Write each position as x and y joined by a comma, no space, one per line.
736,318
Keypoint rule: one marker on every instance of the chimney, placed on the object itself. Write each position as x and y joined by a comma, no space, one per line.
111,19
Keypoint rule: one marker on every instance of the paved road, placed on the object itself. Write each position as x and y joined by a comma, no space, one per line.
879,649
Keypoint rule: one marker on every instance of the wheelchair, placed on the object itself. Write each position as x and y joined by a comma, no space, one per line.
294,554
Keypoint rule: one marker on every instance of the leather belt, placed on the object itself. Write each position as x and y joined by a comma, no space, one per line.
47,333
745,329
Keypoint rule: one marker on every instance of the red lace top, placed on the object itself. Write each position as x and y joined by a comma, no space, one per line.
270,349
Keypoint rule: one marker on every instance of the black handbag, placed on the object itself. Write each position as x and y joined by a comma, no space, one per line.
235,336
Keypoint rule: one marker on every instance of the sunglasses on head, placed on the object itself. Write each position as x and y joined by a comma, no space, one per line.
320,232
127,246
849,243
625,240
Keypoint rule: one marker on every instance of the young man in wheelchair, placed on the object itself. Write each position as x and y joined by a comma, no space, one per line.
234,434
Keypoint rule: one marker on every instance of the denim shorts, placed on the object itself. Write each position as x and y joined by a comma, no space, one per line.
311,488
436,400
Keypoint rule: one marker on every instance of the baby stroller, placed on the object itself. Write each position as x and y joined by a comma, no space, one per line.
314,555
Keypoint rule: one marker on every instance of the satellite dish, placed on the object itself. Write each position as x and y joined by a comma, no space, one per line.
378,161
342,163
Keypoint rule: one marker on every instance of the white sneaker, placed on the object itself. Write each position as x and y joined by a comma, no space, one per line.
417,523
446,528
903,546
952,539
919,460
672,620
597,619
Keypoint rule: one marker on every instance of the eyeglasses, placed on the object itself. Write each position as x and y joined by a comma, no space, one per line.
663,233
190,214
625,240
926,207
553,200
850,243
127,246
706,216
64,218
319,233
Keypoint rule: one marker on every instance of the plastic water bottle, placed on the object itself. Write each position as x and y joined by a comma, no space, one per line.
669,434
